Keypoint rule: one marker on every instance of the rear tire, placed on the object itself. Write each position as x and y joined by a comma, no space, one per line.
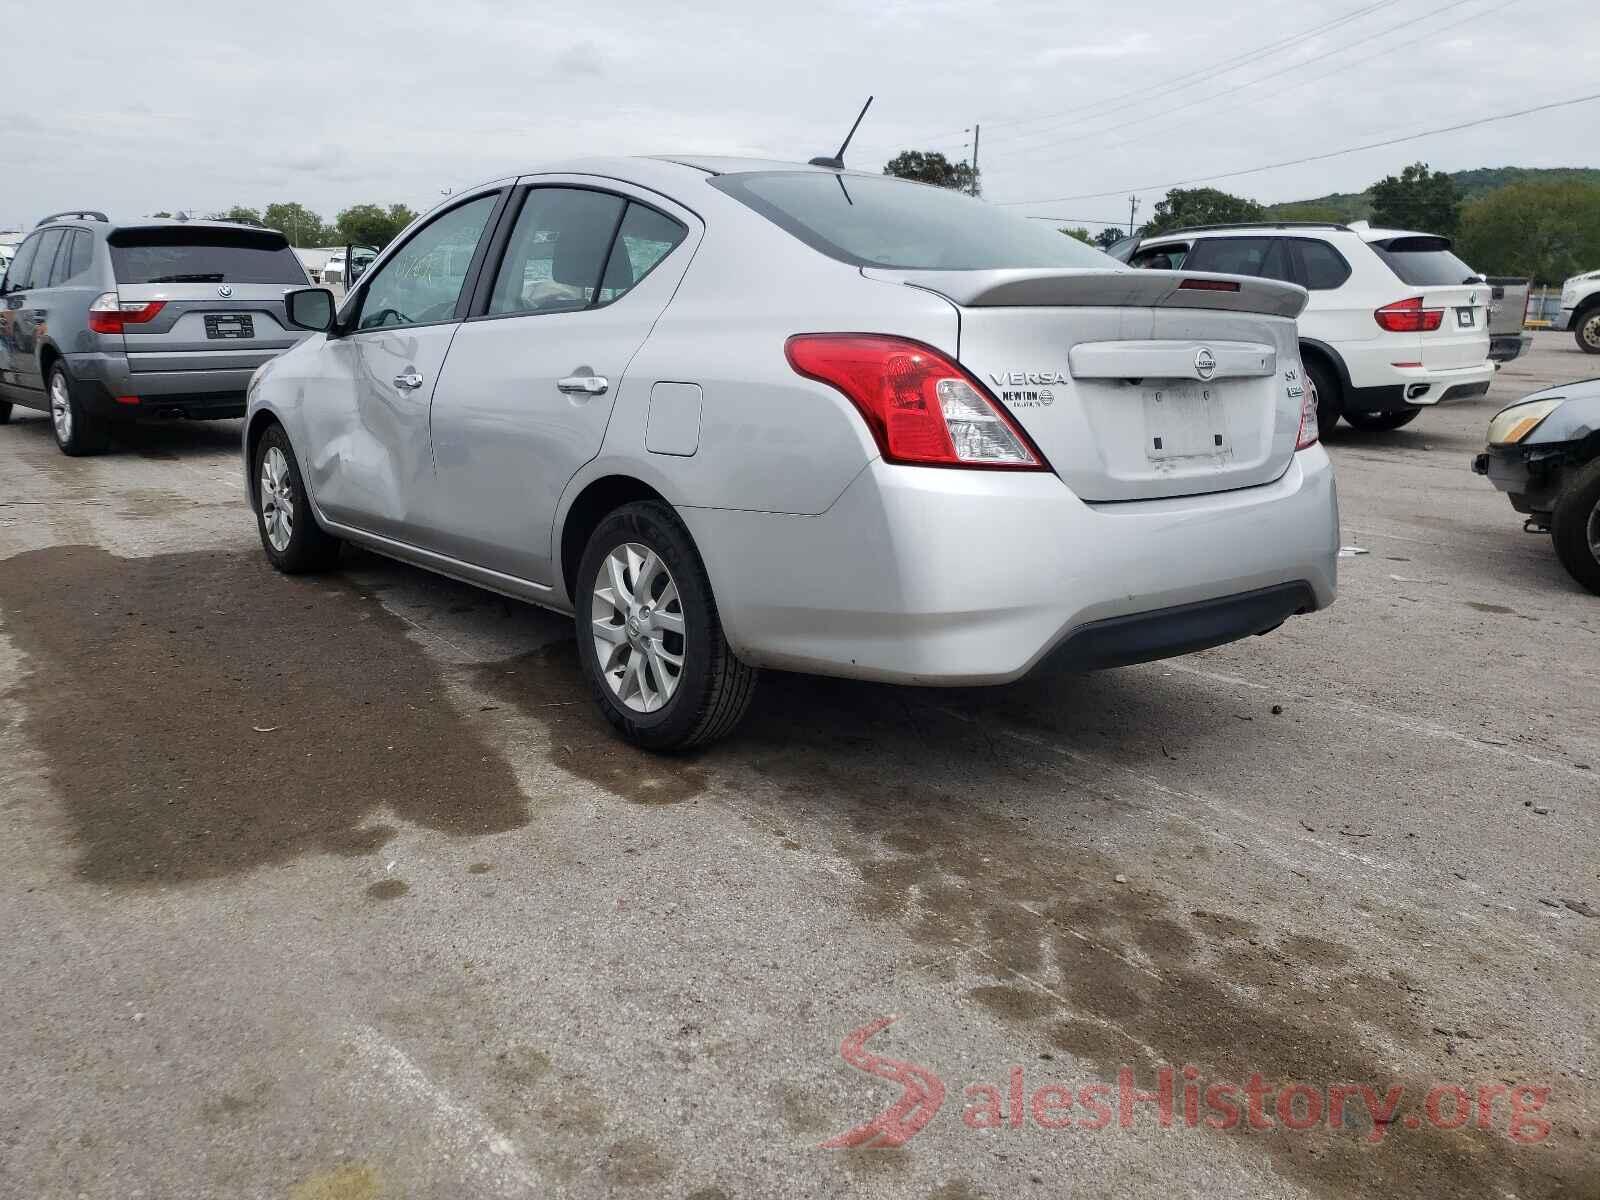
5,412
669,679
294,542
1575,527
1330,397
1380,422
1586,329
77,433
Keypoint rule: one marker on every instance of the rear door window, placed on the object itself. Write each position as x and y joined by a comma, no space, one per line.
645,238
181,254
557,252
39,272
1260,256
72,260
1424,261
1322,268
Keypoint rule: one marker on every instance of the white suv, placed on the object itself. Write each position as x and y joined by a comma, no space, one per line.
1580,310
1396,321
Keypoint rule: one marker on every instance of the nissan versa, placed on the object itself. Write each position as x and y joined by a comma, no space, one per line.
736,414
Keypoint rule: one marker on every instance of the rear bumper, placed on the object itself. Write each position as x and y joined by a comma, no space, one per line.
966,577
1504,347
106,384
1563,319
1377,385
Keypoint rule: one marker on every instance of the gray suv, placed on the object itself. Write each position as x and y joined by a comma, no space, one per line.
103,322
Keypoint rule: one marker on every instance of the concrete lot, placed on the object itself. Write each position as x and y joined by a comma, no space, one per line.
337,887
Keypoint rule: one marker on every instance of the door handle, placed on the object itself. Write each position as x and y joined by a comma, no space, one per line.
408,380
583,385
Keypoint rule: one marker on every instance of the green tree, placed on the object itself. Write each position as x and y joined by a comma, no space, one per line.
299,224
1079,232
1308,210
930,166
1546,232
1200,206
163,215
238,212
1109,237
372,224
1417,199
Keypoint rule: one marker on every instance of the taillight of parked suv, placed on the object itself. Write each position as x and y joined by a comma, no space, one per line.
109,315
1408,316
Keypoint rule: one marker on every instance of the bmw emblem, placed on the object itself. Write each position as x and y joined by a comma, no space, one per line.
1205,363
224,291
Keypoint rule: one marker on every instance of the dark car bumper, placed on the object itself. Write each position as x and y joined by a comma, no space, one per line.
1169,632
1503,347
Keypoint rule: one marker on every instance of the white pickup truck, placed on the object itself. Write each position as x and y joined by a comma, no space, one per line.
1580,309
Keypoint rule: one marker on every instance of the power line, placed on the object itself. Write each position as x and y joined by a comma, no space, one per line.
1239,87
1430,35
1211,70
1310,158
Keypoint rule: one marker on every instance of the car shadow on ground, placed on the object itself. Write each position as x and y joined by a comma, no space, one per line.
147,439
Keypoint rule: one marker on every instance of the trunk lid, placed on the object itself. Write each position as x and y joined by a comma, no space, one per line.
1462,339
1133,385
198,329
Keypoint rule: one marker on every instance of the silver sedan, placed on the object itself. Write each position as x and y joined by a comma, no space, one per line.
735,414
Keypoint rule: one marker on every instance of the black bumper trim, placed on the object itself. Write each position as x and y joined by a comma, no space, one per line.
1169,632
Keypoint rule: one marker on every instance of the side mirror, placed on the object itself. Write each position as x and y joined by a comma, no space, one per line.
309,308
356,261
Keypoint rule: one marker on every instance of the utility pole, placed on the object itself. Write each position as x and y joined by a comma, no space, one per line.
1133,207
976,129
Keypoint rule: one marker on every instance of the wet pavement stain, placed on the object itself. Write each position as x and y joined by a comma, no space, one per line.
548,686
1129,975
148,680
388,889
352,1181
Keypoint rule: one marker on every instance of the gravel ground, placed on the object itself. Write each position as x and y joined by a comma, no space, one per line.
336,888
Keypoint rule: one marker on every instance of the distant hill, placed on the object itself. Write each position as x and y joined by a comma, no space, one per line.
1356,206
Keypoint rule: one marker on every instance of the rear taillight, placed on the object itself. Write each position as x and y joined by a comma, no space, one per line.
110,315
922,409
1408,316
1309,433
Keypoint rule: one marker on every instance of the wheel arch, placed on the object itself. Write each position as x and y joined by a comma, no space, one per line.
255,428
585,512
1312,348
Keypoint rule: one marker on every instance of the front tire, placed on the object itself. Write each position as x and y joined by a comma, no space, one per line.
1586,329
294,542
1575,527
1330,397
649,635
77,433
1381,422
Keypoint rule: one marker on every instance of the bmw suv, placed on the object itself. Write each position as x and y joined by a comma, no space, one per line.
1396,322
103,322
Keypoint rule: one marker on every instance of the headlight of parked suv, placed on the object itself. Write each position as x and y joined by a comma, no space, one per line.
1512,424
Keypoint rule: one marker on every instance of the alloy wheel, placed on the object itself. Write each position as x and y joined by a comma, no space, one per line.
277,499
1594,532
638,627
1591,329
61,407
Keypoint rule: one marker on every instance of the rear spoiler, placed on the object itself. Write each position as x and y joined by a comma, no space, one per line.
1104,288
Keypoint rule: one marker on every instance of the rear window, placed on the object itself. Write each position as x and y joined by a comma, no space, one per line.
179,254
1424,261
880,221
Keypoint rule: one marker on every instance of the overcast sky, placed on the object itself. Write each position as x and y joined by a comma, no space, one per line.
139,107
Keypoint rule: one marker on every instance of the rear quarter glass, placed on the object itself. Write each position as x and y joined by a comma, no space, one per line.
881,221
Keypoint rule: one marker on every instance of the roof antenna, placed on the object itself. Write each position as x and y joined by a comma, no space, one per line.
837,161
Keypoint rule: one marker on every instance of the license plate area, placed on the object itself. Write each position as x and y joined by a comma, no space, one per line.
1465,319
230,327
1184,421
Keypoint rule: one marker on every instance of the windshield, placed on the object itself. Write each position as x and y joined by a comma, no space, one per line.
881,221
179,255
1424,261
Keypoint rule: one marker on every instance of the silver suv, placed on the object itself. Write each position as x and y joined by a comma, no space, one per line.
101,322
